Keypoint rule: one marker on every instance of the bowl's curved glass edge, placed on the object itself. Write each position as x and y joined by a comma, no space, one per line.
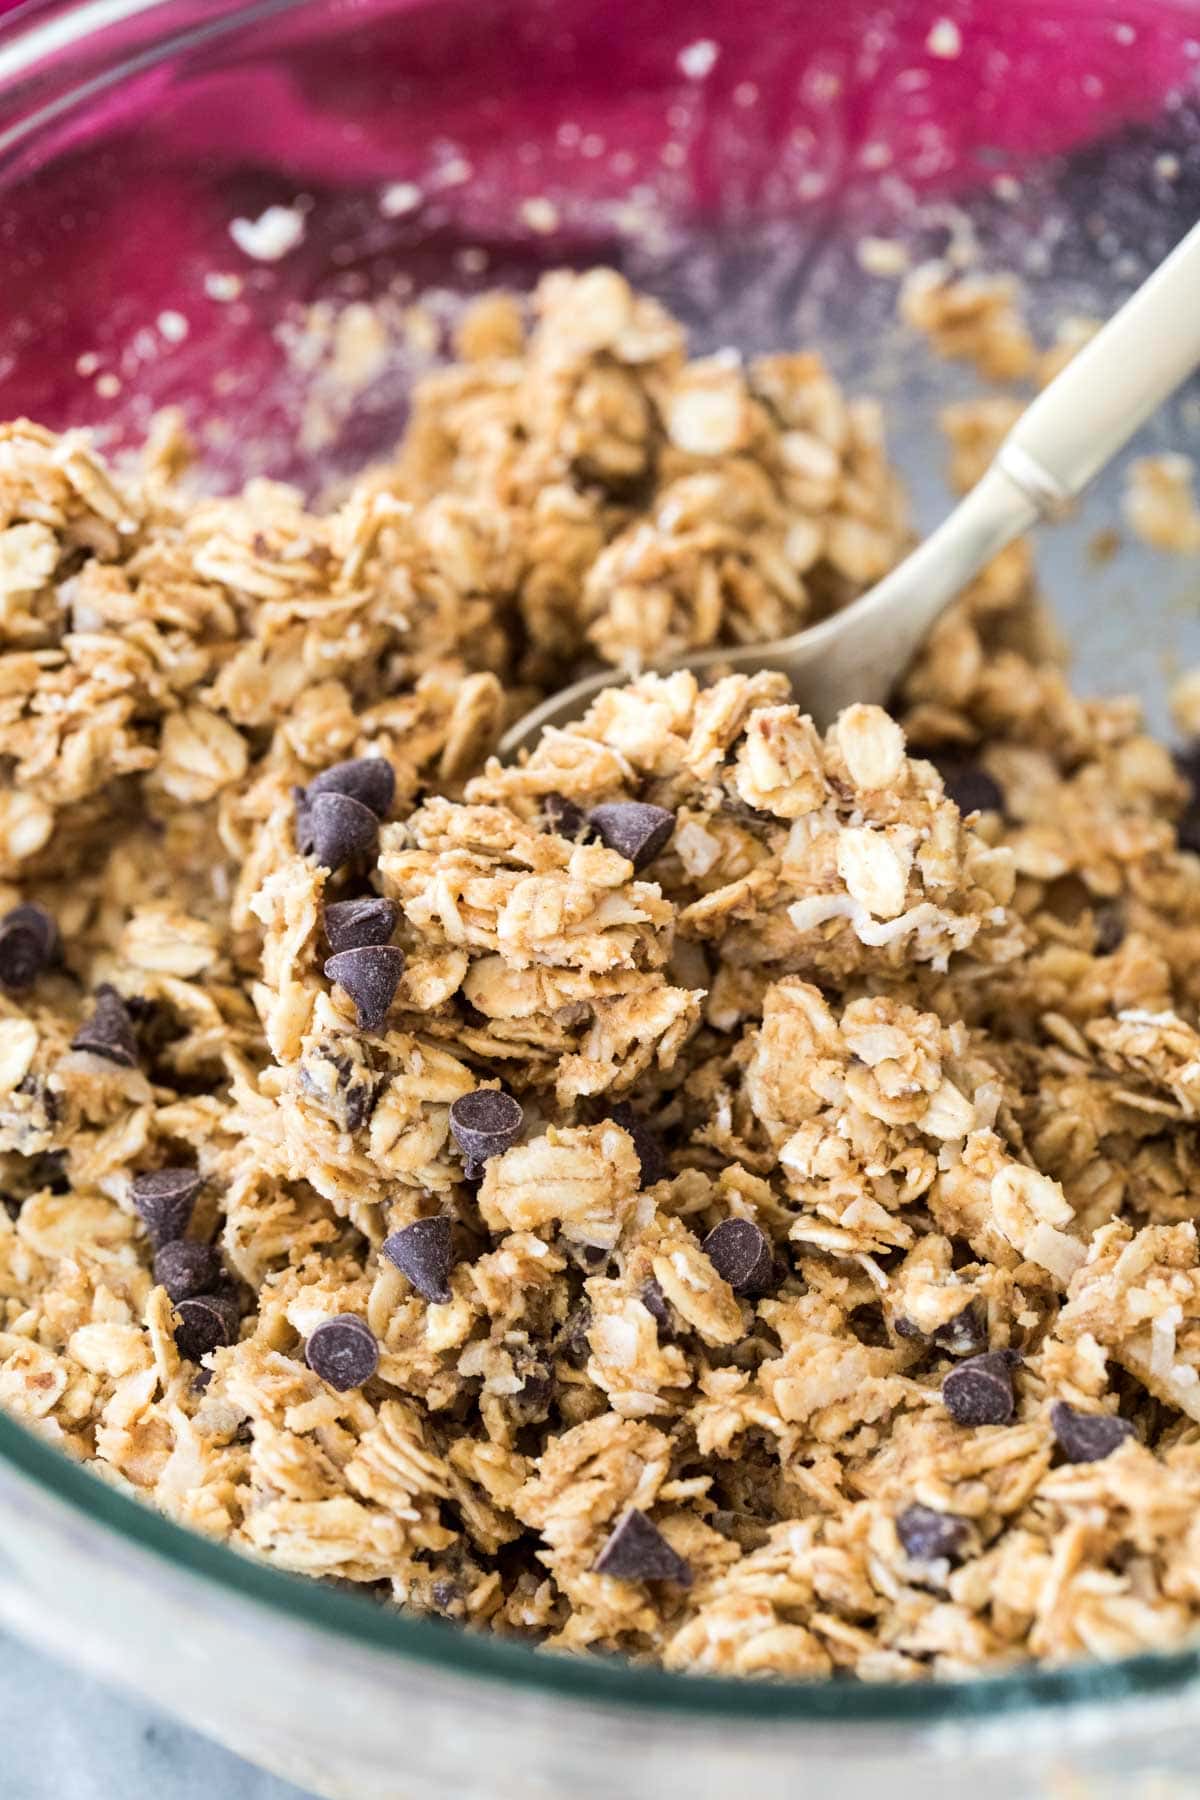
590,1681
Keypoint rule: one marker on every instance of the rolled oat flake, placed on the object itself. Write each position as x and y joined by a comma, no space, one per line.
337,830
637,1551
1087,1437
370,976
186,1269
422,1252
206,1322
927,1536
370,780
109,1032
164,1200
343,1352
980,1390
633,829
353,924
484,1123
741,1254
28,938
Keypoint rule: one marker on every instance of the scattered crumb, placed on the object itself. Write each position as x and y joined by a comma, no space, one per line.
400,198
540,215
882,256
699,59
944,39
972,318
1159,502
1103,545
272,235
222,286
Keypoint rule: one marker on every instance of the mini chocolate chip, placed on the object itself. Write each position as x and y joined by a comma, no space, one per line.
963,1335
1087,1437
652,1157
637,1551
535,1396
337,829
109,1031
655,1303
970,786
905,1328
741,1254
422,1252
28,937
634,830
928,1536
1109,925
186,1269
980,1390
164,1200
359,1102
484,1123
563,817
32,917
371,780
353,924
344,1089
370,977
205,1322
343,1352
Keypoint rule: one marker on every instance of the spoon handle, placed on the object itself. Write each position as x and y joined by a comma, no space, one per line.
1111,386
1076,424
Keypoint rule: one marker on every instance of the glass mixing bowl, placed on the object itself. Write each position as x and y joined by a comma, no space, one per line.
198,200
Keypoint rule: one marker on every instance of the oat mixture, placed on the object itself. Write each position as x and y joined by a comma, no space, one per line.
712,1192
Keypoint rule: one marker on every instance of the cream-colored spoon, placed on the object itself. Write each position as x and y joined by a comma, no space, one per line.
1059,443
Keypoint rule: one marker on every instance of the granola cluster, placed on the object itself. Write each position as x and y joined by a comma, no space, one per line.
712,1191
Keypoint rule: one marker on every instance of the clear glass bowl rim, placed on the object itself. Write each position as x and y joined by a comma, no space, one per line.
53,56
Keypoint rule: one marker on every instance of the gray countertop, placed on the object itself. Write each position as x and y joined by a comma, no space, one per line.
67,1737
